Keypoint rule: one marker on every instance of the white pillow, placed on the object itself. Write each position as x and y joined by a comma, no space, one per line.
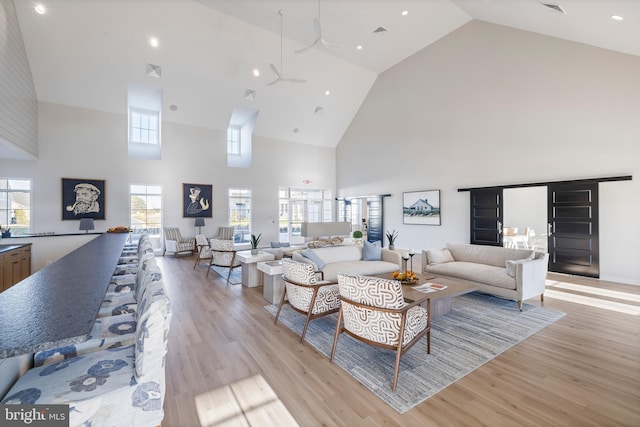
438,257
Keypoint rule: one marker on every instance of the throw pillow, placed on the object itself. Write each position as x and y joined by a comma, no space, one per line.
285,245
275,244
438,257
312,256
372,251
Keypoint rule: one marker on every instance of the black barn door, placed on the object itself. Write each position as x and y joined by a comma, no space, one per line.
486,217
573,229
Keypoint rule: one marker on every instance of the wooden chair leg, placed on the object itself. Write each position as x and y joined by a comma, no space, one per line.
397,368
284,293
306,325
338,332
229,275
209,268
520,305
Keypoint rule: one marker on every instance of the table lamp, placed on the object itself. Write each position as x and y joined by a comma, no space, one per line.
199,223
86,224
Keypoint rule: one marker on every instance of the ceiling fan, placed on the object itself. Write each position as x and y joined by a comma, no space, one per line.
280,77
319,41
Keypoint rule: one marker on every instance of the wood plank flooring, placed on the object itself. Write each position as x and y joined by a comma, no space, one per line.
583,370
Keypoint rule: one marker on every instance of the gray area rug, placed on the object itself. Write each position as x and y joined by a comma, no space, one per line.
479,328
236,274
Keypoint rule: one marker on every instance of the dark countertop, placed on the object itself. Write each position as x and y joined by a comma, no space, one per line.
58,305
7,248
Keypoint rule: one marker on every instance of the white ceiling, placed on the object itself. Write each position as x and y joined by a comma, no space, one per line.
85,53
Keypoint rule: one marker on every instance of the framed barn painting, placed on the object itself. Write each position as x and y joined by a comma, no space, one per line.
83,198
421,207
196,200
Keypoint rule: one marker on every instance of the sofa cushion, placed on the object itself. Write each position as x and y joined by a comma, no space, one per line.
483,273
372,251
438,257
276,245
339,253
313,256
491,255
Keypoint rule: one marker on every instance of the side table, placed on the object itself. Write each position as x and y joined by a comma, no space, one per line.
273,285
251,277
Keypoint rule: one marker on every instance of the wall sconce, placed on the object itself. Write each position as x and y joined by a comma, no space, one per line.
86,224
199,223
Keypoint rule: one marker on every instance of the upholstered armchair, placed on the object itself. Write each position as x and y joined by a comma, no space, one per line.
305,293
374,311
223,254
203,248
225,233
174,242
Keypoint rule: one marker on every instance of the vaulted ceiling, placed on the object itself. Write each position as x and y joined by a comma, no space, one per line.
85,53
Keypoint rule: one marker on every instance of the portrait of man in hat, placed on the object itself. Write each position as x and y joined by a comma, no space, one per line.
82,199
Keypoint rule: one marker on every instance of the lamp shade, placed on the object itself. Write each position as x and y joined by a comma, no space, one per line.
199,222
86,224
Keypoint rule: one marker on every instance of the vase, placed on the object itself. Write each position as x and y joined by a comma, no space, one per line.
254,251
391,247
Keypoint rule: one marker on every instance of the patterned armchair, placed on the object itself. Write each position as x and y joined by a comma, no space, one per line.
203,248
223,254
305,293
174,242
374,311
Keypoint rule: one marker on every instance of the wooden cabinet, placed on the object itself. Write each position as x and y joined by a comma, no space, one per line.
15,265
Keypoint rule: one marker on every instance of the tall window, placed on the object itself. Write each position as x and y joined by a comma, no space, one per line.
302,205
15,205
146,212
144,126
240,214
233,140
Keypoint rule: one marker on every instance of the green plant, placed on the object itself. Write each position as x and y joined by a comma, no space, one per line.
391,237
357,234
255,240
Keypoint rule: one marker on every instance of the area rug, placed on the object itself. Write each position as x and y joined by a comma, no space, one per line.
236,274
479,328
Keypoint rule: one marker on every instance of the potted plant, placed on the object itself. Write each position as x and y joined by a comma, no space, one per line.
255,241
357,234
391,237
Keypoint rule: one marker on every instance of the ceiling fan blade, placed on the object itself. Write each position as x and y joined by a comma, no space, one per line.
294,80
311,46
275,70
332,45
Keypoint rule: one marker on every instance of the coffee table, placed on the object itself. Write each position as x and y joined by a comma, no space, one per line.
441,301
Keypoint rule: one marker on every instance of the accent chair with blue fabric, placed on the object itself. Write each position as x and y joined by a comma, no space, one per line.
373,310
305,293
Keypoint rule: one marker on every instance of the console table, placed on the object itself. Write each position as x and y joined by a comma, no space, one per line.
57,305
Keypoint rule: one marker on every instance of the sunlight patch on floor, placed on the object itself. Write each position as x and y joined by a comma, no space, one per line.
247,402
593,302
635,297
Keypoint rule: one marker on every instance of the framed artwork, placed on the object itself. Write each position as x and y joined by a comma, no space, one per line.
421,207
196,200
83,198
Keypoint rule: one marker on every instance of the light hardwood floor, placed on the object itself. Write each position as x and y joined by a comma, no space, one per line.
583,370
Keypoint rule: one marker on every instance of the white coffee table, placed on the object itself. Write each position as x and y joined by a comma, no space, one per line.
273,285
251,277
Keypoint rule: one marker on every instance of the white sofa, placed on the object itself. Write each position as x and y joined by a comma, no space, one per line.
510,273
348,259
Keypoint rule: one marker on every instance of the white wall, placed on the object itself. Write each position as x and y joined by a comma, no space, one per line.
18,104
490,105
79,143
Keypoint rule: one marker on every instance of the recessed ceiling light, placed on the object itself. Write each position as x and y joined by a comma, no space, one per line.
359,47
327,92
617,17
256,72
405,12
154,42
40,9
